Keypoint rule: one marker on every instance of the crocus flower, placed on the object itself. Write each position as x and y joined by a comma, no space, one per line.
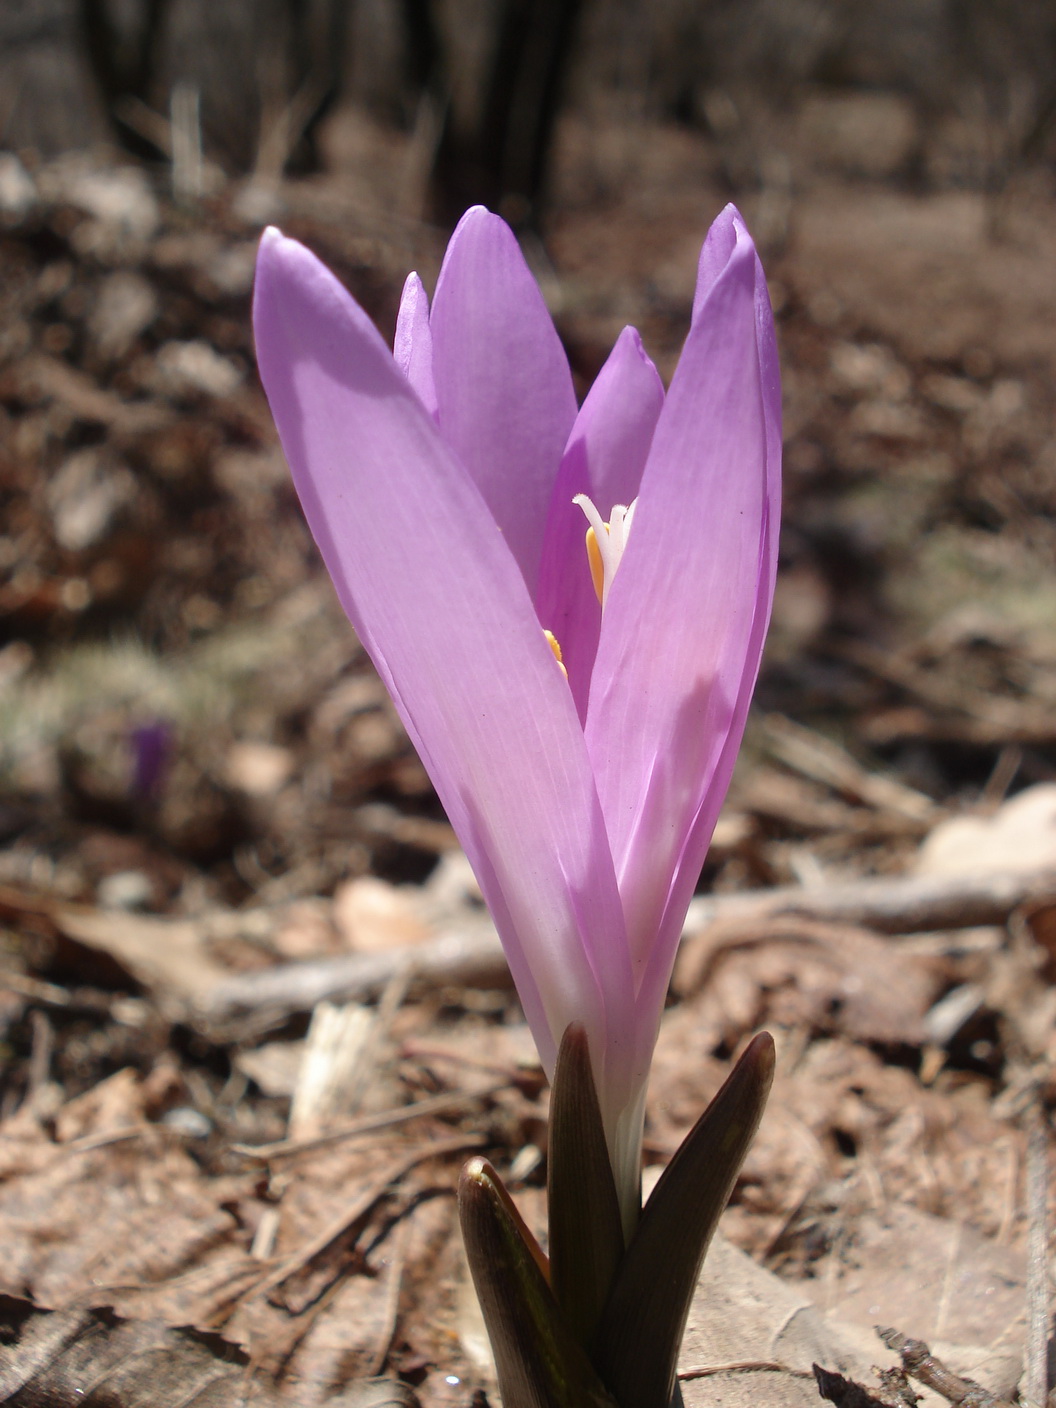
449,486
151,750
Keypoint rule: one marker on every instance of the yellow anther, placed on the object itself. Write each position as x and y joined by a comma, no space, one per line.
555,646
597,566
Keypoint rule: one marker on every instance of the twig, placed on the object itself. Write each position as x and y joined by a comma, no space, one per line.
389,1004
88,1143
974,717
472,957
286,129
1037,1369
34,989
948,1277
40,1054
185,118
743,1366
361,1206
333,1052
902,905
434,1105
469,958
919,1362
822,760
397,1266
1009,762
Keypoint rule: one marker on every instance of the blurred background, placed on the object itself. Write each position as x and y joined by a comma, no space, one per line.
185,718
202,781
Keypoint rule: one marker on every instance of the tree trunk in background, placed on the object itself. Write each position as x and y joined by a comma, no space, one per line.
483,81
319,29
497,152
124,59
48,99
76,72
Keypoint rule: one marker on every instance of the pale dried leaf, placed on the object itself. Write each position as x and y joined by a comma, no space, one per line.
53,1359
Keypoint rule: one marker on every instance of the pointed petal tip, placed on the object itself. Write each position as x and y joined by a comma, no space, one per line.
629,357
629,344
275,245
727,247
730,219
412,345
631,339
480,224
477,215
293,284
270,243
412,320
277,254
504,391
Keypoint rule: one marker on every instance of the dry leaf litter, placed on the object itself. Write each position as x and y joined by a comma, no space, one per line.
253,1014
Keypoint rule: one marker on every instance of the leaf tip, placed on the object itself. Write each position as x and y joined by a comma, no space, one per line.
761,1055
477,1171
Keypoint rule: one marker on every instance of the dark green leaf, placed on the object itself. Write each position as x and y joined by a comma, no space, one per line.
539,1363
636,1350
586,1238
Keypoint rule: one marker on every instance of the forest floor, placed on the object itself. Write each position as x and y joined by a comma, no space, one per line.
211,819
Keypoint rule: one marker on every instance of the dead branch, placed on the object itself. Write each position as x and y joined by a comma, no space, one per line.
1037,1353
903,905
388,1119
473,957
919,1363
742,1366
461,958
361,1205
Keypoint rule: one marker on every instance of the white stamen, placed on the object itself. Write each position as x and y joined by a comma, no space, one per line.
609,539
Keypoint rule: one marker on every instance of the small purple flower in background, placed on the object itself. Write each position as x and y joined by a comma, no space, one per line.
151,750
476,527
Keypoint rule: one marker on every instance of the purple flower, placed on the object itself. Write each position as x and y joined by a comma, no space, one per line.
449,487
151,753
